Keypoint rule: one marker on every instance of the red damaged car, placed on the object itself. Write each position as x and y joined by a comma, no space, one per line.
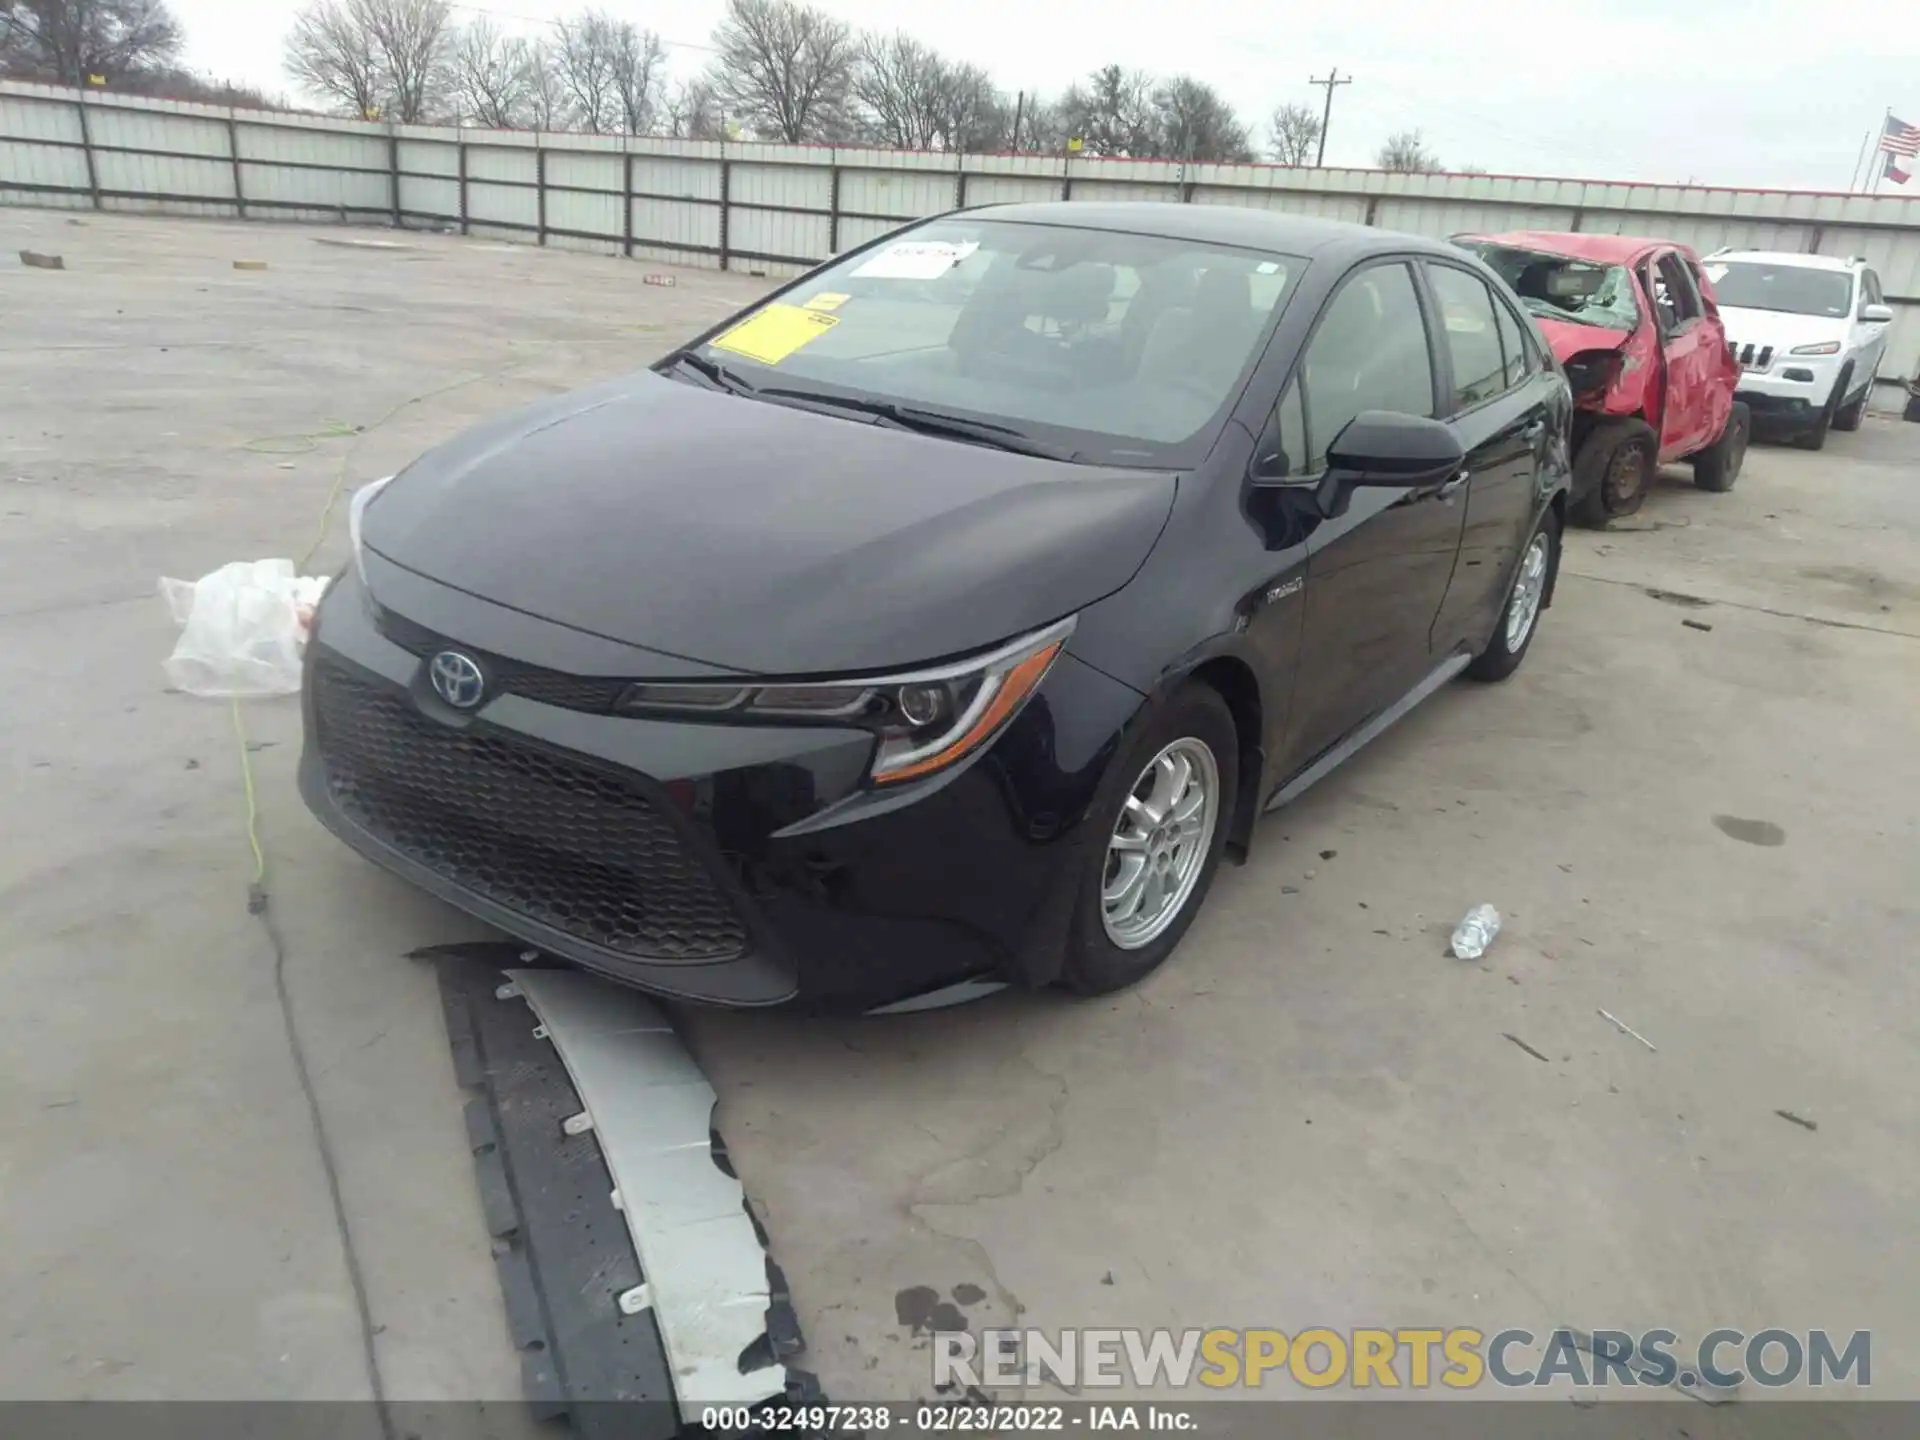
1634,324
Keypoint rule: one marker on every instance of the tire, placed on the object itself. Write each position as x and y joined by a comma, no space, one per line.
1816,438
1508,647
1718,466
1102,956
1613,470
1848,417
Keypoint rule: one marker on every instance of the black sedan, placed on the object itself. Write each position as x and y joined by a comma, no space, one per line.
942,620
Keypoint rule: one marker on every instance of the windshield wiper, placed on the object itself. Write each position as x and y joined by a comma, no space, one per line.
716,374
929,422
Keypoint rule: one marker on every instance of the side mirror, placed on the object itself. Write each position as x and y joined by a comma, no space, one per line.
1877,314
1385,447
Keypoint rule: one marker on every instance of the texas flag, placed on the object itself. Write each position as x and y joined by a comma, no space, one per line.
1900,142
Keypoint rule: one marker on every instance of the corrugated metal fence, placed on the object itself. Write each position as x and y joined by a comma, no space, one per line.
776,209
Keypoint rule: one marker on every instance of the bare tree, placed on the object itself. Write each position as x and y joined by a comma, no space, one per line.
977,115
785,68
1293,134
639,63
68,41
693,111
372,56
1043,128
411,36
1193,121
489,75
897,85
911,97
1407,153
332,55
583,54
1112,114
546,92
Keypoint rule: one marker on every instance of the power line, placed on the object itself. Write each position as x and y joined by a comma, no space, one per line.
1532,137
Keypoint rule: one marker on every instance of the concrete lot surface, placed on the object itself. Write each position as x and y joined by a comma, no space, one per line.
1311,1117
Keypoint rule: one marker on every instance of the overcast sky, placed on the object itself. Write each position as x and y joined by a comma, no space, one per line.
1722,92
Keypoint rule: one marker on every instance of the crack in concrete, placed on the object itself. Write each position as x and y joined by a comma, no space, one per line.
996,1181
69,606
1757,609
1488,1251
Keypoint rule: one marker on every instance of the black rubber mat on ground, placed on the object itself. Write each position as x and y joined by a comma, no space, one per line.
563,1251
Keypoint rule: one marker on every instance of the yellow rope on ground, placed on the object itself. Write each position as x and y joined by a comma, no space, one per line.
253,807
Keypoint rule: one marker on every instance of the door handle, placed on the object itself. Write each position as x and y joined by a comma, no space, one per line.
1454,486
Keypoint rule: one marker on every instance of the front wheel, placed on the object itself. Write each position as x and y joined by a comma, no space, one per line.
1532,583
1614,469
1816,438
1849,416
1161,827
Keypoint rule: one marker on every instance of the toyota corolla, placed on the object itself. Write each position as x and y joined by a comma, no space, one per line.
943,620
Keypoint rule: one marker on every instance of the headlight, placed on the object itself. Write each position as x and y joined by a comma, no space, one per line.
1832,347
925,721
356,507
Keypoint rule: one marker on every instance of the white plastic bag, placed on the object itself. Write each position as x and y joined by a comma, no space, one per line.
244,628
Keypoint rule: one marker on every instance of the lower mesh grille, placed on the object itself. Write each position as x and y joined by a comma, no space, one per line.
561,842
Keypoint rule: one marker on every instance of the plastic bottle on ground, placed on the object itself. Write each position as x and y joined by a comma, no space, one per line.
1475,933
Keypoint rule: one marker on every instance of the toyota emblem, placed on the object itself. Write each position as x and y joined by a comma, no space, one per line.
457,679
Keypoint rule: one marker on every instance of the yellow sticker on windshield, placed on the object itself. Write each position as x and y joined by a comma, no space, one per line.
827,300
772,334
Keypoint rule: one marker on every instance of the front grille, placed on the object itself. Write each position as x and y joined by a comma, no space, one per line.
559,841
1752,357
594,694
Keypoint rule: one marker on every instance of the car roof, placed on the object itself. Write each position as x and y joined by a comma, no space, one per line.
1788,257
1303,235
1602,249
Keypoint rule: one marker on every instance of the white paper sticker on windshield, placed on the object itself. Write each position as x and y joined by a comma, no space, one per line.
1716,273
916,260
1267,267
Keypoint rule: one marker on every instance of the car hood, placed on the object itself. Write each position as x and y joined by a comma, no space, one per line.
761,538
1780,329
1569,339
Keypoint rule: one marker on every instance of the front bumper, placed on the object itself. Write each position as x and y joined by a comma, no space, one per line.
1774,399
744,865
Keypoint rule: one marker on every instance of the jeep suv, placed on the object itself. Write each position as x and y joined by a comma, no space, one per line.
1809,332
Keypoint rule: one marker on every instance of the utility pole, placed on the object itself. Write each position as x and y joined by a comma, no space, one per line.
1326,117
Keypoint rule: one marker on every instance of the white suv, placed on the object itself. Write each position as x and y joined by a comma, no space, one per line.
1808,331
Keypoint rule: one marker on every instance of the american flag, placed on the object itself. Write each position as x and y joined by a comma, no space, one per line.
1897,140
1900,138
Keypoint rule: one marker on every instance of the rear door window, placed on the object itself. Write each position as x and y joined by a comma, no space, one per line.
1673,292
1514,350
1472,335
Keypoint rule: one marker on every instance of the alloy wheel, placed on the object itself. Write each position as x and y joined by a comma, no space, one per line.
1160,842
1528,589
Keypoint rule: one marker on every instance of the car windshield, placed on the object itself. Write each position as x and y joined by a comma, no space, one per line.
1793,289
1557,287
1104,346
